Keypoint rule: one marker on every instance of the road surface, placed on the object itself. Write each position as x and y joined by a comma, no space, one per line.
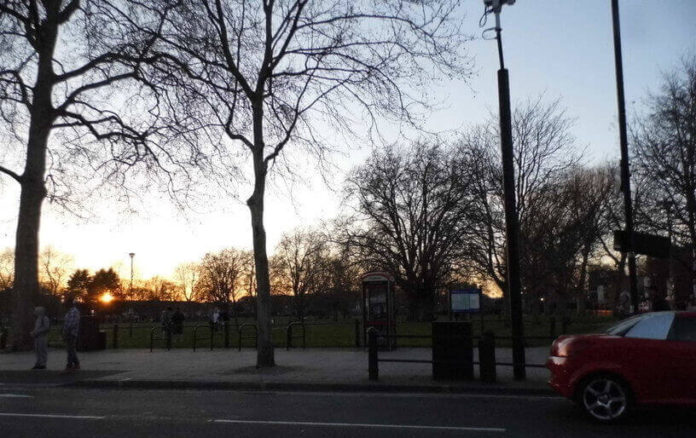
76,412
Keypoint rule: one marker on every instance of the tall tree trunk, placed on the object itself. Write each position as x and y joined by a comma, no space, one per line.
26,284
264,352
33,192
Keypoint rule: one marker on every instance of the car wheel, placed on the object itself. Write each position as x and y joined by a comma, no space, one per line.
604,398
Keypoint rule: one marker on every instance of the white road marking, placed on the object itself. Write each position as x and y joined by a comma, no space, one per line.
16,396
69,417
364,425
411,395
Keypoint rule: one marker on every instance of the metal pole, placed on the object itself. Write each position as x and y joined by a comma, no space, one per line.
625,172
372,358
511,221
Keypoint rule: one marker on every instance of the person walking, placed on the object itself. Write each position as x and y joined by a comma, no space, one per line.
71,327
40,335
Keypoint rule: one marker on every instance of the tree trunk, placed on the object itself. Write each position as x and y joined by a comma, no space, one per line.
33,192
264,352
26,284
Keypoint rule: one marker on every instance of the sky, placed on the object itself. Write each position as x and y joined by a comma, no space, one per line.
556,48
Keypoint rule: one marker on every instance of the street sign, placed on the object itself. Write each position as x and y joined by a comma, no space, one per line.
644,243
465,300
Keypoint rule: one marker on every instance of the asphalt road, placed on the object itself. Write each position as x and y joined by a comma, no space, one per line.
72,412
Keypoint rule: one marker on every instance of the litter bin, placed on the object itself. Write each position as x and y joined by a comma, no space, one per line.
89,337
453,351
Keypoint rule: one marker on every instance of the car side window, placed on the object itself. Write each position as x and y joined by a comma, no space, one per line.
654,326
684,329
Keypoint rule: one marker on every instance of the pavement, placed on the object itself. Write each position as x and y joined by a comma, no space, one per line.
295,370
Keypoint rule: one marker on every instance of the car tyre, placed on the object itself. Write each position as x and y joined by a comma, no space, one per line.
605,398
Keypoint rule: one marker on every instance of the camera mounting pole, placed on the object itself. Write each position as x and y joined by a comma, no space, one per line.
511,221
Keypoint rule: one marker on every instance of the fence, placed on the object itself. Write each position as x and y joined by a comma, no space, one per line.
312,334
486,362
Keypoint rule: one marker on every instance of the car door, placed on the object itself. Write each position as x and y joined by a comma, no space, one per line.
650,361
682,344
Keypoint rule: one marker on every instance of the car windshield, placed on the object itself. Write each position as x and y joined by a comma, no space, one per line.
621,327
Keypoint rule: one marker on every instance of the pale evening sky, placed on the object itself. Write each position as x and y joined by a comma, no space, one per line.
561,48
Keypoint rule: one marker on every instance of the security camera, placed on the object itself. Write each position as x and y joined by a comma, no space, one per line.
498,3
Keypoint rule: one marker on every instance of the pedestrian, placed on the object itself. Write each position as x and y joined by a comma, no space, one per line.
214,319
71,328
166,321
40,335
178,321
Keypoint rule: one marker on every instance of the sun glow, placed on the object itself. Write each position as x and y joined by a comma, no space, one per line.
106,298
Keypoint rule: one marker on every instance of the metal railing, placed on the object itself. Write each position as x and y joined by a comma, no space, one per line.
167,338
486,346
289,334
240,331
196,338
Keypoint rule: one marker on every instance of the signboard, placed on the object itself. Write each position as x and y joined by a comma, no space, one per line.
465,300
646,244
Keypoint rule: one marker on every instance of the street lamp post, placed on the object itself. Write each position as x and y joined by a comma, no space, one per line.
511,220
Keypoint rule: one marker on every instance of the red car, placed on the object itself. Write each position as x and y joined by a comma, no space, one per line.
648,359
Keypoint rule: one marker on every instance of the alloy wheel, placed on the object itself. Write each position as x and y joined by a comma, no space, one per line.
604,398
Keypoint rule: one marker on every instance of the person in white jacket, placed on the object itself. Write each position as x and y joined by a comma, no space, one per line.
40,335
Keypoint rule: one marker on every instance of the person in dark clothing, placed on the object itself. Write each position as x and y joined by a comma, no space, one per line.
166,320
178,322
71,328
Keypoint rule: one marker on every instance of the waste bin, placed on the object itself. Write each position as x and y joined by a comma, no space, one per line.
89,337
453,351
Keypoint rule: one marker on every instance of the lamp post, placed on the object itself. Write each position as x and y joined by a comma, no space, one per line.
511,220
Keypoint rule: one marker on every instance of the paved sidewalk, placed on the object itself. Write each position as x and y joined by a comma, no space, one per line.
310,369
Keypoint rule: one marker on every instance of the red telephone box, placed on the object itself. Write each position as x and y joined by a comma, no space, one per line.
378,307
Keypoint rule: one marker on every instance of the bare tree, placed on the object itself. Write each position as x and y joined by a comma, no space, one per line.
187,275
55,267
221,273
60,58
544,152
665,158
563,235
301,261
160,289
412,218
273,73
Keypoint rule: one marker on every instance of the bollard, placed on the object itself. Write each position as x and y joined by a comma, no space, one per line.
372,365
304,336
486,347
115,337
288,337
227,334
357,333
3,338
